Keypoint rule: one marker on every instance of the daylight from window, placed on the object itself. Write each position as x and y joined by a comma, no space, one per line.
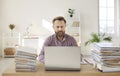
106,16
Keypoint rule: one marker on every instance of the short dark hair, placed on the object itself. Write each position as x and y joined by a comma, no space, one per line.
59,18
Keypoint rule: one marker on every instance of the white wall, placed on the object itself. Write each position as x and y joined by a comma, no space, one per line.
0,27
22,13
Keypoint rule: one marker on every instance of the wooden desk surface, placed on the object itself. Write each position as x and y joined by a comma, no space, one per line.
86,70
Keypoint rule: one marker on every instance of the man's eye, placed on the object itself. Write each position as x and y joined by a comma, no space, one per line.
61,26
57,26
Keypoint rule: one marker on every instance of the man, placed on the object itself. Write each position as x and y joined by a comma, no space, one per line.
59,38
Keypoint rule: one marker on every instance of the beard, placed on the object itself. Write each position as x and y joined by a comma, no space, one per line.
60,33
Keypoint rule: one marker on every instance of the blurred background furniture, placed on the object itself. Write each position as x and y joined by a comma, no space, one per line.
10,42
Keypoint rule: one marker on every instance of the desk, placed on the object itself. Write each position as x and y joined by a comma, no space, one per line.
86,70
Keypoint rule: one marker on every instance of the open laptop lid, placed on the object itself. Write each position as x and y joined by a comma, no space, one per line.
62,58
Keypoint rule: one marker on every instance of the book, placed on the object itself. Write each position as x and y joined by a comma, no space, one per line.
104,68
106,46
108,52
27,57
26,63
22,66
25,53
24,60
26,70
27,50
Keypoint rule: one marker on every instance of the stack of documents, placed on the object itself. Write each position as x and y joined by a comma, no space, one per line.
25,59
106,57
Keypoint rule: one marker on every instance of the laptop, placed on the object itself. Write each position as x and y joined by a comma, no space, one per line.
62,58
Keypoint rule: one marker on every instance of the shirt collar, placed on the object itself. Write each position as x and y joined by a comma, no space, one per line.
63,38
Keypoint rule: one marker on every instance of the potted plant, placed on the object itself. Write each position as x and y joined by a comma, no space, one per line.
98,38
11,26
71,12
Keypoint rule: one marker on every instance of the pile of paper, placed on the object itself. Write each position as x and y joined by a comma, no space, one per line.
25,59
106,57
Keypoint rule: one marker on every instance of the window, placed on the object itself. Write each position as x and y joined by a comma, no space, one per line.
106,16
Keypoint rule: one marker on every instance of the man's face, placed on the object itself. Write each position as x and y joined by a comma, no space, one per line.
59,28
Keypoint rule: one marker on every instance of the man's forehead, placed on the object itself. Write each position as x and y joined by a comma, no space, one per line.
59,23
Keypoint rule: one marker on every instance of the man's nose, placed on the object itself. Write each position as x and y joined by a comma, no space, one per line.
59,28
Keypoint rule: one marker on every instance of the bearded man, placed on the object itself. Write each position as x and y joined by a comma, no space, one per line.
60,38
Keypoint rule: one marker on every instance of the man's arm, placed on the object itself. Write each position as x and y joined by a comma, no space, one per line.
41,55
73,41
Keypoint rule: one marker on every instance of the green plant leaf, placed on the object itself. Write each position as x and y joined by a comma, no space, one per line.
98,38
108,39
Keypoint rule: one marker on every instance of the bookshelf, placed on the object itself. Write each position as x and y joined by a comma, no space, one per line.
9,44
73,27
